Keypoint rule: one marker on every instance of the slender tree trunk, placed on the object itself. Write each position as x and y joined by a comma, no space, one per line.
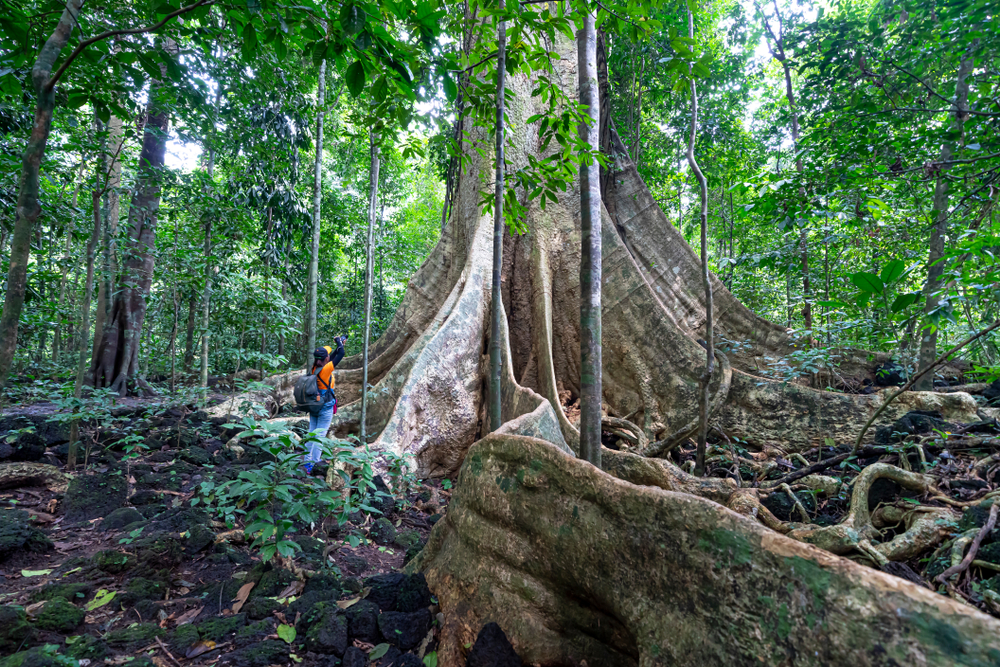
117,360
935,256
311,312
496,303
189,337
111,212
372,194
28,208
175,298
64,264
88,288
206,306
590,258
706,377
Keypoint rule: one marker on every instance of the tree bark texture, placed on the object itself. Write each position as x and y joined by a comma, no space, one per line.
495,411
369,251
590,255
935,255
317,201
117,359
28,208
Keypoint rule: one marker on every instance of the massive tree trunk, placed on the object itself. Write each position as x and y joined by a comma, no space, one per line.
116,360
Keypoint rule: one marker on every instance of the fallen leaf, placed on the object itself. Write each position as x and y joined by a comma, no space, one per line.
102,598
199,648
40,517
365,591
241,597
344,604
188,616
286,633
31,609
160,662
183,591
364,646
35,573
378,651
293,588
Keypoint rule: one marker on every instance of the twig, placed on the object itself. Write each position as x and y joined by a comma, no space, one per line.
826,463
798,504
167,651
919,375
971,555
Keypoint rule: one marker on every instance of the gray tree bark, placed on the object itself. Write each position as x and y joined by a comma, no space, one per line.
496,302
311,310
369,248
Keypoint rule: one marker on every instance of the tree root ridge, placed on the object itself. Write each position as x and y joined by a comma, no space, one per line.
658,569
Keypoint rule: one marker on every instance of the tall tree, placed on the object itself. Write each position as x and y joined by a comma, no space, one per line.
311,312
496,303
369,250
590,228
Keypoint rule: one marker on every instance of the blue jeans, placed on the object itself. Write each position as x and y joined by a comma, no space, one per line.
319,424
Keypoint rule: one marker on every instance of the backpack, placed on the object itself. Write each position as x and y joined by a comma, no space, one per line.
305,391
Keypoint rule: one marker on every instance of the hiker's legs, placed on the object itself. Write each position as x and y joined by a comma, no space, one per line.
319,424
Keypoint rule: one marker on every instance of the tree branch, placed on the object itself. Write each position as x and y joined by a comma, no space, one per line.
939,95
50,84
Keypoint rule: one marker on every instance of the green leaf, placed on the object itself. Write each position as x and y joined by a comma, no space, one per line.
450,89
904,301
249,41
35,573
868,282
431,659
102,598
286,633
355,78
352,19
378,651
892,271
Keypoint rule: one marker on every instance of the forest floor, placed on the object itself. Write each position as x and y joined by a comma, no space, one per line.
125,566
122,562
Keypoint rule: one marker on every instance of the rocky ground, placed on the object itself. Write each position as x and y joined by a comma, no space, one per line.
119,563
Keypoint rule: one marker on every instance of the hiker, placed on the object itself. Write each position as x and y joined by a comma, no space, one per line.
325,359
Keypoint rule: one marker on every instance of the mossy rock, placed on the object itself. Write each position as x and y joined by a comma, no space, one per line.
68,592
182,638
17,534
59,616
120,518
15,630
354,564
325,627
312,548
198,538
272,582
158,551
217,629
259,608
87,647
261,654
408,538
382,532
134,637
328,583
141,588
254,632
113,561
94,496
40,656
412,552
989,553
195,456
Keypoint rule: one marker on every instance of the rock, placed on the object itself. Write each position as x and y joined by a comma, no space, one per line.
782,506
391,658
272,582
135,637
113,561
402,629
199,537
94,496
492,649
412,553
912,423
976,517
145,497
17,534
258,608
413,593
354,657
68,592
140,588
254,632
312,548
385,589
305,602
219,629
59,616
325,629
182,638
158,551
989,553
889,374
327,583
992,393
381,497
261,654
27,447
353,563
408,660
121,517
408,538
39,656
14,629
382,532
195,456
88,647
362,621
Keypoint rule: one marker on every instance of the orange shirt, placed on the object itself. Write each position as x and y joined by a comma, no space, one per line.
326,377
